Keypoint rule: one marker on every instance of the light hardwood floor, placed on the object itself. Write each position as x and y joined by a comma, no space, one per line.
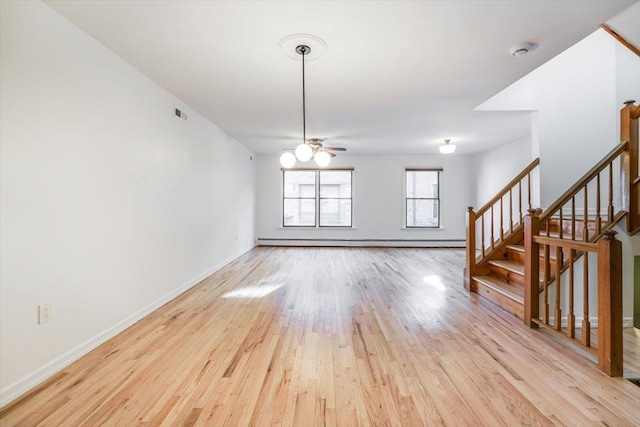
330,336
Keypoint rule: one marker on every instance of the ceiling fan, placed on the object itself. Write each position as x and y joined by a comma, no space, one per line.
316,146
309,148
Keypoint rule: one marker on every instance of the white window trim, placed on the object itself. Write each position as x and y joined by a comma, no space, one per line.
403,203
281,225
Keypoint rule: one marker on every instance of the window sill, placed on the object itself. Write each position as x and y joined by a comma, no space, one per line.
422,228
317,228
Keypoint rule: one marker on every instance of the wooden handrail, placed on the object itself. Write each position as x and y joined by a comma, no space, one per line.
575,245
507,187
575,188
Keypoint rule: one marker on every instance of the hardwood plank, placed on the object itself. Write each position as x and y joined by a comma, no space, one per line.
333,336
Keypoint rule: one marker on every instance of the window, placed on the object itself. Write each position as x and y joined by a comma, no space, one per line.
422,198
299,198
314,198
335,198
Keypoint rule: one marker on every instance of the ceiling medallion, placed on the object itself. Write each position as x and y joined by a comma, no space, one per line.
316,45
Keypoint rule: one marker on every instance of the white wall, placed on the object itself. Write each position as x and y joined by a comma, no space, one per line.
494,168
377,201
109,204
574,95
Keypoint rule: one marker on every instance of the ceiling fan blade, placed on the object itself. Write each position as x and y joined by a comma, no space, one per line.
335,148
331,154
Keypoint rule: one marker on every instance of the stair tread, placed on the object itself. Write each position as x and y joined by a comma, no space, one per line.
514,292
520,248
512,266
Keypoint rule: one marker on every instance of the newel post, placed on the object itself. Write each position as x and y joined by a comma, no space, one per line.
531,268
610,304
471,247
629,163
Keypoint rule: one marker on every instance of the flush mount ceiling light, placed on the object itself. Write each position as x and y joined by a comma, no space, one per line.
309,148
447,147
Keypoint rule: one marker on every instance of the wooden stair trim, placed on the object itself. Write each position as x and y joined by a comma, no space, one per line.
520,249
516,293
495,294
509,265
621,39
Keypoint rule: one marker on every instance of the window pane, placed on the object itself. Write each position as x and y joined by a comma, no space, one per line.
299,184
335,184
335,212
422,184
300,212
422,213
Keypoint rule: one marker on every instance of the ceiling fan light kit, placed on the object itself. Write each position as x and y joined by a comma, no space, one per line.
322,158
288,160
304,152
447,147
312,149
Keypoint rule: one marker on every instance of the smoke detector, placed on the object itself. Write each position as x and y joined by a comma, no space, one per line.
522,49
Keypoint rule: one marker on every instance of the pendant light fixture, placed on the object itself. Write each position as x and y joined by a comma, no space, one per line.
447,147
304,151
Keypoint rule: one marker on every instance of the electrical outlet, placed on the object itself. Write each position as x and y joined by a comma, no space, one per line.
44,312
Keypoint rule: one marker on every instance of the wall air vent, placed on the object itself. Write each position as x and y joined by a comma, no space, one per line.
180,114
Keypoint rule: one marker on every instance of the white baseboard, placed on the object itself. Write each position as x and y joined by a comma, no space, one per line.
26,383
394,243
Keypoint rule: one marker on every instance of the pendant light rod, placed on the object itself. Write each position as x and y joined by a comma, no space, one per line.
303,50
304,101
312,149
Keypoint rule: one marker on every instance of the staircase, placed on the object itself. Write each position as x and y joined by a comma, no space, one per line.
504,283
526,263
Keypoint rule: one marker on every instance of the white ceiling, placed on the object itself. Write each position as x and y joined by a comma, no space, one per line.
397,77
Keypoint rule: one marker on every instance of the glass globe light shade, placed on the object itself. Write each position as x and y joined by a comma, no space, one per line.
287,160
447,147
322,158
304,152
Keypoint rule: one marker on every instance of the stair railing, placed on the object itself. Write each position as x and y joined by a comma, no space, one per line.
570,233
563,211
494,222
608,251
